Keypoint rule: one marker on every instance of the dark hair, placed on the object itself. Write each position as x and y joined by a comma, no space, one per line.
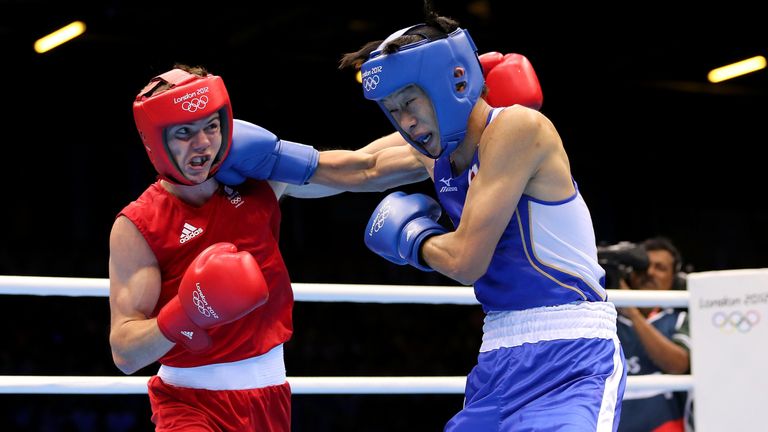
663,243
435,27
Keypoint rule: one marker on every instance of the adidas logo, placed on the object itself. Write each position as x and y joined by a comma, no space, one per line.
189,232
188,334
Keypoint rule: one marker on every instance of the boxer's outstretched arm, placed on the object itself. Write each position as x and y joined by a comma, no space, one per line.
383,164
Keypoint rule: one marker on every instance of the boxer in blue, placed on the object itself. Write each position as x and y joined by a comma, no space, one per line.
550,358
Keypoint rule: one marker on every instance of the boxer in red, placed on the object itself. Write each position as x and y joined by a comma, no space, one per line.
197,281
196,278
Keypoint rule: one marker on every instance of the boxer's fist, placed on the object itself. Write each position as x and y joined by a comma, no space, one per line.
259,154
399,226
221,285
489,61
510,80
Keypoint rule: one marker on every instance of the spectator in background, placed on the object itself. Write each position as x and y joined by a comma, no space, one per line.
655,341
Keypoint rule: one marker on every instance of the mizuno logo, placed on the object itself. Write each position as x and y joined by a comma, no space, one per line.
189,232
447,187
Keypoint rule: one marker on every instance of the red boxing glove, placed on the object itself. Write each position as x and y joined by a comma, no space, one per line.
510,80
489,61
220,286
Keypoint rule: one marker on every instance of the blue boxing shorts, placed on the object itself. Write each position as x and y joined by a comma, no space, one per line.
557,368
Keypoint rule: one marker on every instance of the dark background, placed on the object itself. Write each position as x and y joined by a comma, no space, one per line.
655,149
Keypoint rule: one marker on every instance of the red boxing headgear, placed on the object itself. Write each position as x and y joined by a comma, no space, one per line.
190,98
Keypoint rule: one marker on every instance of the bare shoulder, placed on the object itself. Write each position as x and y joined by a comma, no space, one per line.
524,141
127,245
523,119
518,128
134,275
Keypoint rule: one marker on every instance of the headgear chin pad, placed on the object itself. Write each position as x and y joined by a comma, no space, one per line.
430,64
189,98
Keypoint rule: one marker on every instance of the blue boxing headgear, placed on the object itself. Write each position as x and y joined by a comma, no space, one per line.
429,64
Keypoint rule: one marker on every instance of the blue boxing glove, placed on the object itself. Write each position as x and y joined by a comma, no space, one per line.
399,226
259,154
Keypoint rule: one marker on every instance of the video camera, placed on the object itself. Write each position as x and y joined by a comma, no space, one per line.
621,259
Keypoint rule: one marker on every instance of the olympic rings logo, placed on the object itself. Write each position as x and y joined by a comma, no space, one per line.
201,304
381,216
195,104
729,322
370,83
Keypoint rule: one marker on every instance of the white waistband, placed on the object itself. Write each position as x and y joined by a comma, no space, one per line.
568,321
256,372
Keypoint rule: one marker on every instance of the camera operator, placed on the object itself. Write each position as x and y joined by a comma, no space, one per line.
654,340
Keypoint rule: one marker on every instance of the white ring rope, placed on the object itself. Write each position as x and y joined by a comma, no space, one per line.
315,292
24,384
312,292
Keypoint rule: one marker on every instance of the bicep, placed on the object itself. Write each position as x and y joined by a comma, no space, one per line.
489,207
134,275
394,164
397,166
388,141
509,157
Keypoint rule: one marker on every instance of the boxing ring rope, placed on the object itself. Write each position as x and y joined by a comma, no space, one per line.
26,384
311,292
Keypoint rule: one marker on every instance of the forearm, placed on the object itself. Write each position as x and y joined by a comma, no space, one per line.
667,355
357,171
137,343
343,170
449,255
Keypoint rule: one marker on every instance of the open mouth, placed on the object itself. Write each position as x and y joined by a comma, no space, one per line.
424,139
199,161
428,143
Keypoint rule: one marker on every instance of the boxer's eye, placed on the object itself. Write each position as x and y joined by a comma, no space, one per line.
181,133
